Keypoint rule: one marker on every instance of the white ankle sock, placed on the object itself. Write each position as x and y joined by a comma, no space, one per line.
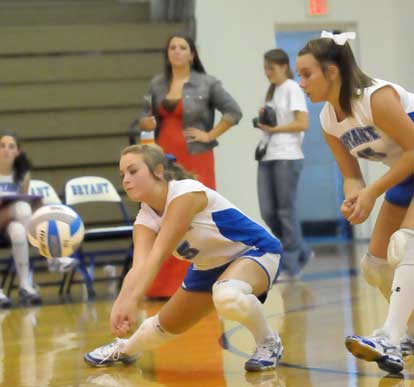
256,322
20,250
150,335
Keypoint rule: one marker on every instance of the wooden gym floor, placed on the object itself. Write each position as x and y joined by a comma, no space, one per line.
44,346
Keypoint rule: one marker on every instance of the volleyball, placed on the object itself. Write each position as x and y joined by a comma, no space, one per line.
56,230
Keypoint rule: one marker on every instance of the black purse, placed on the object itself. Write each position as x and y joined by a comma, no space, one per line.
260,151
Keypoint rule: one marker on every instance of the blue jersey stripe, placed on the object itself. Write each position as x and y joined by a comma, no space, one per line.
75,226
53,239
237,227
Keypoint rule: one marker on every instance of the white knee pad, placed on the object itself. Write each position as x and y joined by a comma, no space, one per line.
17,232
22,212
378,273
149,335
229,297
401,247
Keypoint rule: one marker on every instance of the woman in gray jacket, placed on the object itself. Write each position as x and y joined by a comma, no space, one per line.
183,103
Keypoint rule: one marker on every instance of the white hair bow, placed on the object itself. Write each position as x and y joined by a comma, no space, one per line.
339,39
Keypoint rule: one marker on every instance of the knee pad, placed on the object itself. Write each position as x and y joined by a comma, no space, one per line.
401,247
21,211
378,273
16,232
149,335
229,297
375,269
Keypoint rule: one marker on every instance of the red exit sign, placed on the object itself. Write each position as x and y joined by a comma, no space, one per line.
318,7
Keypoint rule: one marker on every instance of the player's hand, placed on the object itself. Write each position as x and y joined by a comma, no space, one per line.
364,203
123,316
347,207
148,123
194,134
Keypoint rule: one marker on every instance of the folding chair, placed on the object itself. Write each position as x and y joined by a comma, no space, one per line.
95,189
44,189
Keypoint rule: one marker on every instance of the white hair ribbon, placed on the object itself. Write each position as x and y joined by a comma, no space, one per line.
339,39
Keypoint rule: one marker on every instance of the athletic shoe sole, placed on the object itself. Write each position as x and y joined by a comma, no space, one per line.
96,363
366,352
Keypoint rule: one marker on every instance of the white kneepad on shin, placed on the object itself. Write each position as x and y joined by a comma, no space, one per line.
401,247
22,212
376,270
378,273
149,335
231,299
16,232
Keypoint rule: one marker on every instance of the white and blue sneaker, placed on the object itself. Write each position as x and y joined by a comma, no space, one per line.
376,348
266,355
407,345
28,296
4,300
109,354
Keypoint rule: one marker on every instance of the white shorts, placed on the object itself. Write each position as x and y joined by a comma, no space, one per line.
269,262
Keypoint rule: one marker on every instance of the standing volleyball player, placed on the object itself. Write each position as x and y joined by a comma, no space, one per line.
371,119
234,261
15,216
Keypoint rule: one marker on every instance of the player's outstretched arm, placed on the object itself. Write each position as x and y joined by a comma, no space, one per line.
177,221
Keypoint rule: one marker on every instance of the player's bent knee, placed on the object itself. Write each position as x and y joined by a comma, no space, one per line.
17,232
401,247
229,297
21,211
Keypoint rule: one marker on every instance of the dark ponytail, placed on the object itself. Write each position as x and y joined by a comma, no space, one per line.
279,57
21,167
175,171
353,80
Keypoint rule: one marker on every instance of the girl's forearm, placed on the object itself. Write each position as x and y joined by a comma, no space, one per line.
139,279
295,126
222,126
352,186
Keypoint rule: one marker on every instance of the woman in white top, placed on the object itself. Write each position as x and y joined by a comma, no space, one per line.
371,119
281,161
15,215
234,261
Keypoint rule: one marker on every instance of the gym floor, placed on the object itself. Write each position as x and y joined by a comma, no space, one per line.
44,346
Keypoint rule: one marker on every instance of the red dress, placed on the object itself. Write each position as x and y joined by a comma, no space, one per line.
172,140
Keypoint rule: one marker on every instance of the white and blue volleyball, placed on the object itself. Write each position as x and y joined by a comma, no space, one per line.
56,230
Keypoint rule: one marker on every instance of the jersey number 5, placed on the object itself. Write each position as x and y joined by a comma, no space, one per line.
186,251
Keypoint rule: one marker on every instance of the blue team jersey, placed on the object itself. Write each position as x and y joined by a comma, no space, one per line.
218,234
8,186
359,134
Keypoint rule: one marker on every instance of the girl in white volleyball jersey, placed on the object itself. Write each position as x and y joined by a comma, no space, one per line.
14,216
371,119
234,261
